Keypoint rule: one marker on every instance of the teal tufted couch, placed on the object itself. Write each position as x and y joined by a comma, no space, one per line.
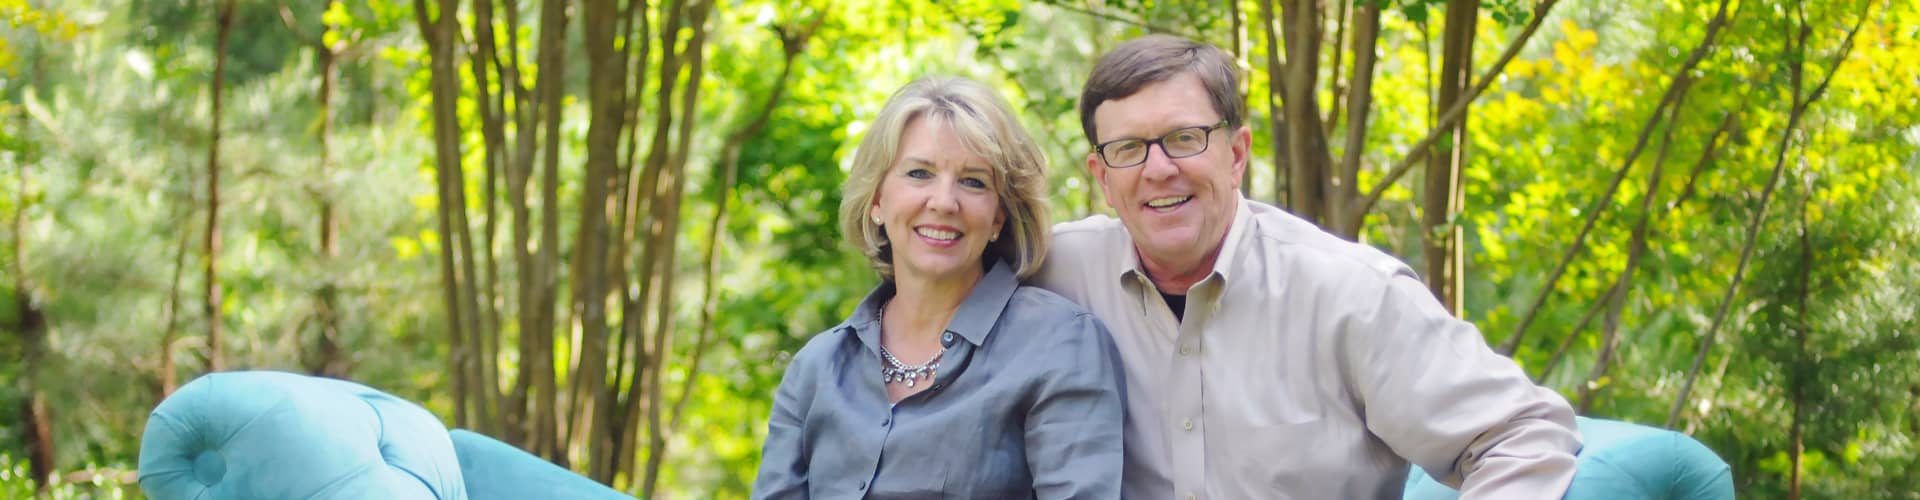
261,435
272,435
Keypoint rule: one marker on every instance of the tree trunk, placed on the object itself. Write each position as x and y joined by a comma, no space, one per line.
636,209
546,393
168,379
1346,184
216,360
439,33
1441,236
1307,157
606,70
40,459
1798,376
1276,113
667,237
491,108
1342,21
1360,206
327,349
516,408
32,328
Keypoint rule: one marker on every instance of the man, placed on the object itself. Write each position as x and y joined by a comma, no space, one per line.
1264,357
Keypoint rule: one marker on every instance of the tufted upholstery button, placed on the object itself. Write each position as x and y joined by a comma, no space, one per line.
209,468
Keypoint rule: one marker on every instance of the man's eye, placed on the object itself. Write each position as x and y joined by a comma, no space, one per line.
920,173
1124,147
1184,136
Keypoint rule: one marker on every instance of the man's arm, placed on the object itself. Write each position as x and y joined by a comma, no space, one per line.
1442,399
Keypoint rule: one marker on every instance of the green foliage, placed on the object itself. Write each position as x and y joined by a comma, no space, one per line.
17,482
103,104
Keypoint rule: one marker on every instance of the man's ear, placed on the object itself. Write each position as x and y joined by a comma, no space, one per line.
1098,169
1242,152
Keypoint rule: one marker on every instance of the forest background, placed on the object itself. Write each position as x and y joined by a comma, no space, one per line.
597,229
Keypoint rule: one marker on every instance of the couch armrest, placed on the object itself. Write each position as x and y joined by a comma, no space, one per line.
245,435
1623,461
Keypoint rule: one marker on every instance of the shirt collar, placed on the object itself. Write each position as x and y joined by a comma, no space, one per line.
1129,267
973,321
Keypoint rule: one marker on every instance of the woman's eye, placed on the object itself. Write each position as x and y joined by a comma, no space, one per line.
920,173
974,182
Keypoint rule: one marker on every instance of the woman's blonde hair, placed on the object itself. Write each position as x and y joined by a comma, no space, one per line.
987,127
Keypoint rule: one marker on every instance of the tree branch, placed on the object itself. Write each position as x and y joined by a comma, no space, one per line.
793,44
1343,18
1452,116
1753,226
1366,32
1150,27
1675,89
1560,351
1610,328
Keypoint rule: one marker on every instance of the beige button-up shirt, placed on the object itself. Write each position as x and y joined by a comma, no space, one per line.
1307,367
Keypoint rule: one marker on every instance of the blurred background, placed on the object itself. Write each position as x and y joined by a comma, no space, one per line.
597,229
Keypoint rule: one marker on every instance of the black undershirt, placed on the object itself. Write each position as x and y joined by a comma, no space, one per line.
1178,303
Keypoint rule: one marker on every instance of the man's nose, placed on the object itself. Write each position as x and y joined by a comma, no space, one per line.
1158,166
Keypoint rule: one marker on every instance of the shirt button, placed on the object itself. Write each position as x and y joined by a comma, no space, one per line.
863,485
1187,423
1186,350
886,422
1191,496
946,339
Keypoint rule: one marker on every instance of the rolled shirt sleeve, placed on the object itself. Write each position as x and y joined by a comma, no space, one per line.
1437,395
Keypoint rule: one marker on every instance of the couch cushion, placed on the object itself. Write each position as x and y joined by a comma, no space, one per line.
245,435
1623,461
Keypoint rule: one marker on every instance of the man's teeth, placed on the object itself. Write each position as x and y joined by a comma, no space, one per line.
1168,201
937,234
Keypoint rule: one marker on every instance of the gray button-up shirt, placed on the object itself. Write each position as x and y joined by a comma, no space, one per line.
1027,403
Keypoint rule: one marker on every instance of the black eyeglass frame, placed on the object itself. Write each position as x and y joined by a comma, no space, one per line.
1148,144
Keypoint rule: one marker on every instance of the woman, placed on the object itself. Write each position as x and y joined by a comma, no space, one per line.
951,379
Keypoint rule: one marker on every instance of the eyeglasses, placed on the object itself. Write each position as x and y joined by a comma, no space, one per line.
1180,143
